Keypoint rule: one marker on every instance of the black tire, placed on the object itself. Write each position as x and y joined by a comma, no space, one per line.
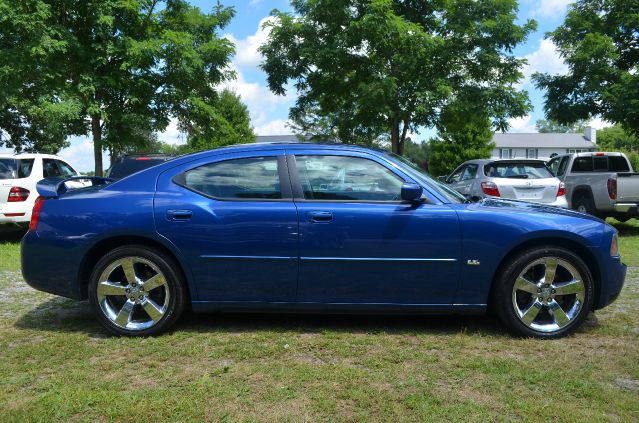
504,298
584,204
172,291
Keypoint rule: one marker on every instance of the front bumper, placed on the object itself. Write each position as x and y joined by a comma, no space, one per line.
613,275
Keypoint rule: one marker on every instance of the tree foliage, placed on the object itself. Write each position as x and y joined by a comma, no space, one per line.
365,68
546,126
115,69
599,41
465,133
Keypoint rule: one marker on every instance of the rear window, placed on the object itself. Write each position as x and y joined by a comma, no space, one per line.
582,164
600,164
129,166
15,168
618,164
517,170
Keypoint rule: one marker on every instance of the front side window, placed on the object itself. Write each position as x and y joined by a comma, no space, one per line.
66,170
50,168
236,179
553,165
345,178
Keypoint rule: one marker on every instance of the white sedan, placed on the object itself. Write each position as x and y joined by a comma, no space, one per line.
19,175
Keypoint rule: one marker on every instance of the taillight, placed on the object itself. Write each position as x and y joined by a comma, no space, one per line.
490,188
612,188
35,214
562,189
17,194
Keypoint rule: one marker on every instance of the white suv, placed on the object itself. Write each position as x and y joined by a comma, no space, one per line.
19,175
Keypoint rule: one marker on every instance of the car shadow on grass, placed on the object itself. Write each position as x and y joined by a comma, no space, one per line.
65,315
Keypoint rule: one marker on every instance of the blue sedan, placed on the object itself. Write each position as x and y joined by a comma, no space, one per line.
308,227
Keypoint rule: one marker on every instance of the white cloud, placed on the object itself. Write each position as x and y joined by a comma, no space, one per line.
80,155
172,134
274,127
545,59
550,8
599,123
255,2
246,50
522,124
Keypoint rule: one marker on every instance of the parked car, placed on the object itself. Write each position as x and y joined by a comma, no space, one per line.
19,175
599,183
309,227
516,179
132,163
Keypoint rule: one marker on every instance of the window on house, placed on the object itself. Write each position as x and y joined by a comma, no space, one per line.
532,153
506,153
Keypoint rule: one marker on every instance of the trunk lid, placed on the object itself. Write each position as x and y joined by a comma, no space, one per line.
542,190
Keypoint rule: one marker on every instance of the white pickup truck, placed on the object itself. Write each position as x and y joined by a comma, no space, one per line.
602,184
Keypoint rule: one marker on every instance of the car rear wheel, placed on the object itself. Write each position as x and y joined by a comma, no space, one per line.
136,291
583,204
545,292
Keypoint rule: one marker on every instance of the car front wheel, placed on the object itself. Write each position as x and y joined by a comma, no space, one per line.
545,292
136,291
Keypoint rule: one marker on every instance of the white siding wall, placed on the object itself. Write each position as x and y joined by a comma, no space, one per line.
520,153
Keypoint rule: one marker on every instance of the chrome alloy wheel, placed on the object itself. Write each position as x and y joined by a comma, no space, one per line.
133,293
548,294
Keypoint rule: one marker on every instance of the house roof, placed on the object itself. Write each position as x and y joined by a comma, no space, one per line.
276,138
517,140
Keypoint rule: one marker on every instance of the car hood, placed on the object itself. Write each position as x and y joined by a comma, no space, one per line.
532,207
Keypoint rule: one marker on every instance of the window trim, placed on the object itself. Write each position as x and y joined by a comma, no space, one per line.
282,171
510,153
298,192
535,153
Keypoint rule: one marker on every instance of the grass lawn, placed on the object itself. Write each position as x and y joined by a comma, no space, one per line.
57,364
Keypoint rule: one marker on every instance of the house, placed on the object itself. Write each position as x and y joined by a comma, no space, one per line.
542,146
277,138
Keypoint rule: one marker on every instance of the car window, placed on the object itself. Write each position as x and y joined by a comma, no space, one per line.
600,164
456,175
469,173
15,168
66,170
50,168
562,166
582,164
347,179
247,178
618,164
517,170
553,165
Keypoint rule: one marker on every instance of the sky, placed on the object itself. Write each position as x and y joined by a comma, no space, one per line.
269,112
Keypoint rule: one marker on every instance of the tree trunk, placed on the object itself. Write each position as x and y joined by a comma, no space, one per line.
402,139
96,131
395,144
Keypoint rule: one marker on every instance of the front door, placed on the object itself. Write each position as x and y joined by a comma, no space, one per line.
235,222
359,243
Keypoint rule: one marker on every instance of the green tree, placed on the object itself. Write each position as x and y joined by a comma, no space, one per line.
227,123
417,153
615,138
600,44
365,68
465,133
545,126
115,69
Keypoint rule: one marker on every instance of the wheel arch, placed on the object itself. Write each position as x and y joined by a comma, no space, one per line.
105,245
578,248
580,190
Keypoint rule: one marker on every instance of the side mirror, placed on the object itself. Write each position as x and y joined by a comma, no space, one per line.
412,193
443,178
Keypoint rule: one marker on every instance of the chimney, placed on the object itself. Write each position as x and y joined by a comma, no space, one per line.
591,134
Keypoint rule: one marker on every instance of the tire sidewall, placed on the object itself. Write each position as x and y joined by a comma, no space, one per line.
512,271
586,203
173,279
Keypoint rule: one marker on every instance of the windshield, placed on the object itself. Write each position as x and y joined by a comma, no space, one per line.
15,168
423,177
517,170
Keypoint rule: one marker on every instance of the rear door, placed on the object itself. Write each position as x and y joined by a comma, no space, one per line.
233,218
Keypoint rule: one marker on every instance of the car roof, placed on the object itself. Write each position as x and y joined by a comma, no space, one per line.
30,156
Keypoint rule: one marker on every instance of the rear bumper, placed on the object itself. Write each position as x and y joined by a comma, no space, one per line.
613,275
15,212
50,266
628,208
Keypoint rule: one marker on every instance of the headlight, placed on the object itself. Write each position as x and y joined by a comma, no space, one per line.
614,245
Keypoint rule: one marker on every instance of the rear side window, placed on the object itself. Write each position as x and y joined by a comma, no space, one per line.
618,164
582,164
15,168
342,178
241,179
130,165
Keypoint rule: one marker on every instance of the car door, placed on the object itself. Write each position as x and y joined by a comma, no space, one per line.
455,178
360,244
233,219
